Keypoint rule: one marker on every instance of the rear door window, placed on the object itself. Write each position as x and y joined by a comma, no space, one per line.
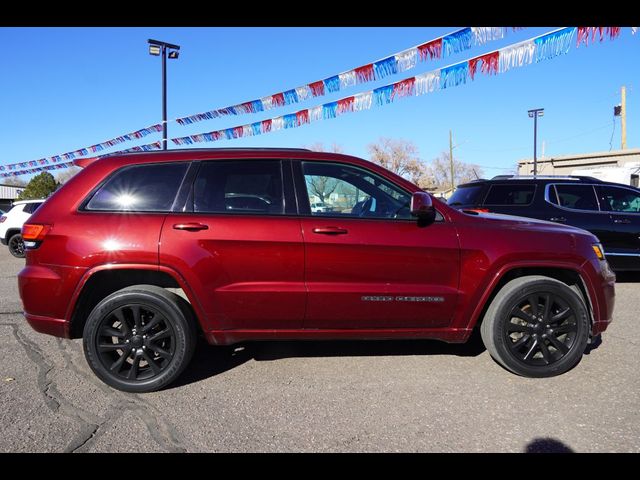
512,194
244,186
577,197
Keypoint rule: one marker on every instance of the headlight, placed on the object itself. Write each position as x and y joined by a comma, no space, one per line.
597,248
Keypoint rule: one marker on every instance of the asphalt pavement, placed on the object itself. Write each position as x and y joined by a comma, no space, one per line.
411,396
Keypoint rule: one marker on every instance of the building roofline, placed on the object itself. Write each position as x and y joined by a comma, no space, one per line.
579,156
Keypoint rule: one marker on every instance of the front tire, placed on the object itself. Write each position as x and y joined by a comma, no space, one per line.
16,245
536,326
139,339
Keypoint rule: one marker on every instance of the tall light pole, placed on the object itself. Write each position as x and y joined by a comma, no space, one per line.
156,47
535,113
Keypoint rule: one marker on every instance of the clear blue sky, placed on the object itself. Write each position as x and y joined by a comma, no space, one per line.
66,88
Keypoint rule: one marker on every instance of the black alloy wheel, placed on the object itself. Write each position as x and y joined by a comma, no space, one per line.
536,326
135,342
542,329
16,245
140,339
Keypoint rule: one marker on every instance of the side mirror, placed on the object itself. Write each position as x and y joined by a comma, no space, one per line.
422,207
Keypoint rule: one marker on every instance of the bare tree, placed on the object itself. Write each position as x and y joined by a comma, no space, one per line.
14,182
440,171
319,147
65,176
322,187
401,157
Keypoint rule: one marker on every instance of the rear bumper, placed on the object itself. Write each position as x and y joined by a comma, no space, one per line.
51,326
46,292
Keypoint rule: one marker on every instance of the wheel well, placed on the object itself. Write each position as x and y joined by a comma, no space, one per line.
104,283
10,232
569,277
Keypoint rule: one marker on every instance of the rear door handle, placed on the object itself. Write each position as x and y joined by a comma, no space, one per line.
330,230
558,219
621,220
192,226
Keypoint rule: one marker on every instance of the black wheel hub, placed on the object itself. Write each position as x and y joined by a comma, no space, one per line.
17,245
541,329
135,342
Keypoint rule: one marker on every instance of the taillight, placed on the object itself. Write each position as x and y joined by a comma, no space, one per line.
34,232
2,218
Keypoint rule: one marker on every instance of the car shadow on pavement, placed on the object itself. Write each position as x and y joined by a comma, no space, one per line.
547,445
209,361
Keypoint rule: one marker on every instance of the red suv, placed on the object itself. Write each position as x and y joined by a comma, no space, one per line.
139,253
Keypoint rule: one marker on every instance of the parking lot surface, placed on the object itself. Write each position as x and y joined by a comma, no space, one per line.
412,396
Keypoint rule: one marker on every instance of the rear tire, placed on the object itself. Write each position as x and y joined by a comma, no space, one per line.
16,245
536,326
139,339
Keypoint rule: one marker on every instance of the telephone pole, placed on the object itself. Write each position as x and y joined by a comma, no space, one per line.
453,187
535,113
623,116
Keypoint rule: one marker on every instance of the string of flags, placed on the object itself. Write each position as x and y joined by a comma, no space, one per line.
441,47
536,49
56,159
57,166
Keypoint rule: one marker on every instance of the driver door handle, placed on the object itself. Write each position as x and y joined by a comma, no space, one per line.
191,226
621,220
558,219
330,230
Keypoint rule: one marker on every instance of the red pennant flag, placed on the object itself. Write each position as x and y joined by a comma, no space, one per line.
266,125
302,117
431,50
277,100
403,88
473,66
317,88
365,73
345,105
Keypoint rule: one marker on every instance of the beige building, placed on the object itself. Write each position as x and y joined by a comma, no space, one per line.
628,159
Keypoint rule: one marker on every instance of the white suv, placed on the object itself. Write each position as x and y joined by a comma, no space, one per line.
11,224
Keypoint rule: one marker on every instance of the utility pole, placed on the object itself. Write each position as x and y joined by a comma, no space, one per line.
623,116
453,187
535,113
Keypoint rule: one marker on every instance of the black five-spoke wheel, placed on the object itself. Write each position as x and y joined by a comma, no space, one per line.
140,338
536,326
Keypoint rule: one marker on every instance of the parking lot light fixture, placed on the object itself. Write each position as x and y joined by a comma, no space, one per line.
156,48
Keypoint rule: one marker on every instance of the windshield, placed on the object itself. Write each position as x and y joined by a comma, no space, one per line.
466,195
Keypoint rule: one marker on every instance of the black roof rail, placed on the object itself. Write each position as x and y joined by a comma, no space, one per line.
224,149
547,177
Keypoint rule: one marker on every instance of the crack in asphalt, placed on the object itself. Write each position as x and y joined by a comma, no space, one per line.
160,429
92,426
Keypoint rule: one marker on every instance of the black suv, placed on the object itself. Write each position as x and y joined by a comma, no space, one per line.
610,211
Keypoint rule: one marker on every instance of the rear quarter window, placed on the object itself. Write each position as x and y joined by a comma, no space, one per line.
140,188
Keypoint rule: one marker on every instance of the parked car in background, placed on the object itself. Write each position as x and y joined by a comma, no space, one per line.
611,211
319,207
140,253
11,224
